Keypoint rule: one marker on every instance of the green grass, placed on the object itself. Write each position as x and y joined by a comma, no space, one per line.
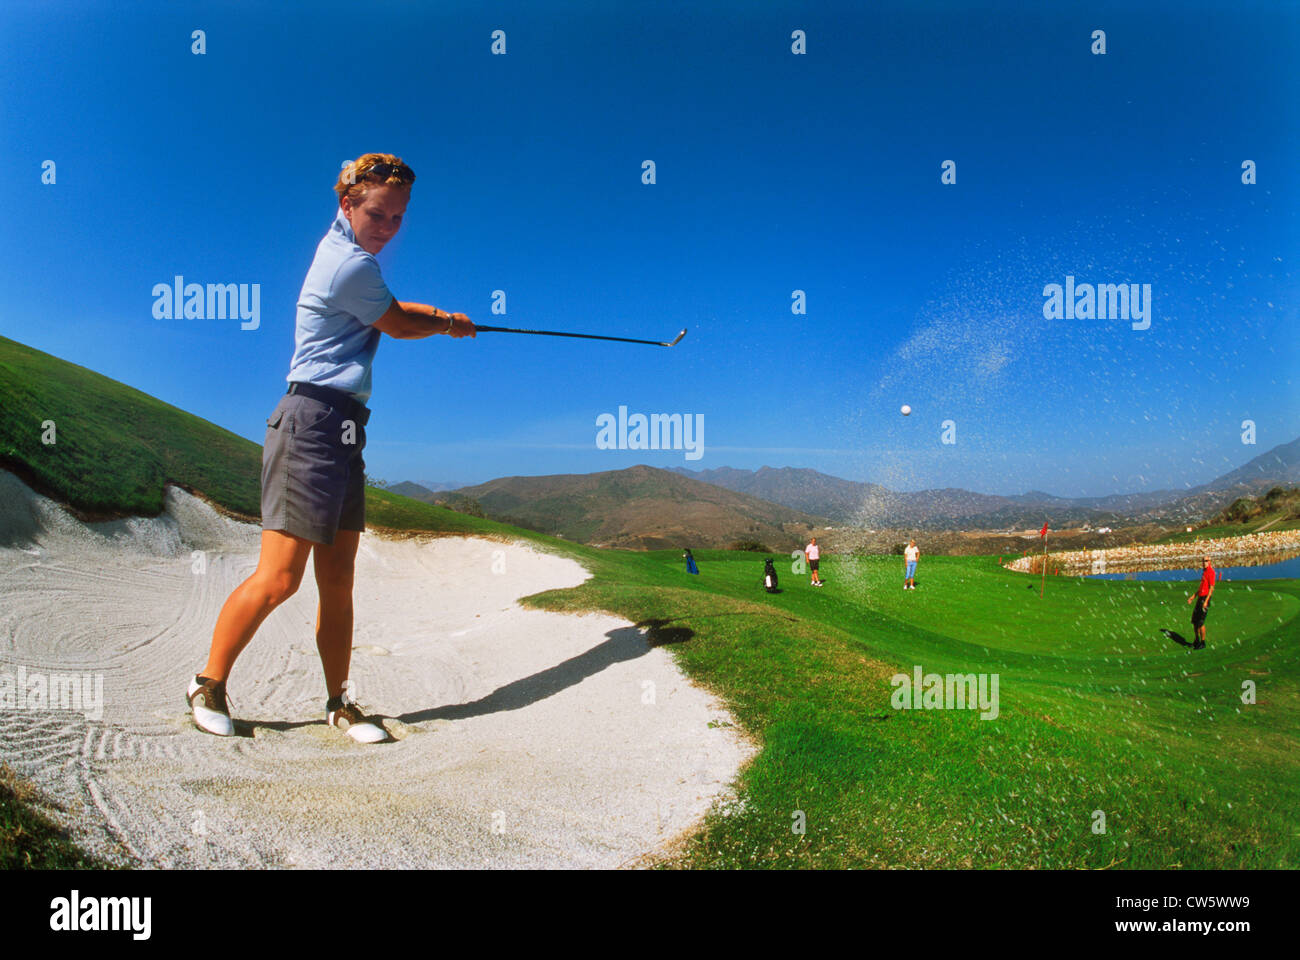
115,447
396,512
29,840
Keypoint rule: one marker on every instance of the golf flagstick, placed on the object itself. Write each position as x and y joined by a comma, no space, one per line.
1043,585
585,336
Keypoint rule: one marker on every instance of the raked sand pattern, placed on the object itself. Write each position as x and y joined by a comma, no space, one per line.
522,738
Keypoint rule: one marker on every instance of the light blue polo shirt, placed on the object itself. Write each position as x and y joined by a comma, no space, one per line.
335,340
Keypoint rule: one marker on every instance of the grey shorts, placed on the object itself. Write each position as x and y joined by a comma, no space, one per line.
313,477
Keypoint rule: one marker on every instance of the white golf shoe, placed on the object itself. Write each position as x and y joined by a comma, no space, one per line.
208,705
352,721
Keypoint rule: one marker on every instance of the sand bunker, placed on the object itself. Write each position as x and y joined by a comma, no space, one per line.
523,738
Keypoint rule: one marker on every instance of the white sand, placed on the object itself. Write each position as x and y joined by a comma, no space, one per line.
522,737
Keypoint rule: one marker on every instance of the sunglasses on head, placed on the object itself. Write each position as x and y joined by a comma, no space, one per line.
386,170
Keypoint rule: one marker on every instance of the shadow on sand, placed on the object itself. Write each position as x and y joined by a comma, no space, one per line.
625,643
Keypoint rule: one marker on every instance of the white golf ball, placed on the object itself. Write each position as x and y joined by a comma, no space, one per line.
906,410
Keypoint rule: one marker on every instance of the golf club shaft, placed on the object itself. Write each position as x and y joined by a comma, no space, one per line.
584,336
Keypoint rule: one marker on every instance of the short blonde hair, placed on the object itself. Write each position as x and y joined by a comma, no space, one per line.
359,175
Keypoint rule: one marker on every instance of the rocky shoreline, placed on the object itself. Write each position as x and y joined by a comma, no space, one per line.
1161,556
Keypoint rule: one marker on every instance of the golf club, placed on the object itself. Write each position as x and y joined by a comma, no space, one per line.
584,336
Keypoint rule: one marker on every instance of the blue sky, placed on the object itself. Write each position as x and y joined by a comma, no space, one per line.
775,173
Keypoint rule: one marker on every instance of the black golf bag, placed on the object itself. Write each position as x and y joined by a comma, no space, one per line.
769,576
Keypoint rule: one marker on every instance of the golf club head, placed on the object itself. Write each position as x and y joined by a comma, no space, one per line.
678,339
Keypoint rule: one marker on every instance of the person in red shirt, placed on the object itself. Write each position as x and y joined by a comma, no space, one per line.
1202,598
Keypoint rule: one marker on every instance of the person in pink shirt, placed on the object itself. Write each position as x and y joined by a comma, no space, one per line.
1202,598
813,553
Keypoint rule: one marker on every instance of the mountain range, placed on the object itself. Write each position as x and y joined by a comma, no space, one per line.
648,507
640,507
856,503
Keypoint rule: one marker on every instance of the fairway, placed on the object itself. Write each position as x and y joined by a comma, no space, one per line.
1100,715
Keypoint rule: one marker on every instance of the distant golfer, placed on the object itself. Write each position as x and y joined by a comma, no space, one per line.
910,555
690,564
1202,598
813,553
313,476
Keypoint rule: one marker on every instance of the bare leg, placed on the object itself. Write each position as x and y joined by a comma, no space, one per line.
279,571
334,572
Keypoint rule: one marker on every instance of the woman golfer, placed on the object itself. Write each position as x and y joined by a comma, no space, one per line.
313,477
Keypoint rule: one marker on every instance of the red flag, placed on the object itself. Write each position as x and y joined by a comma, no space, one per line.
1043,532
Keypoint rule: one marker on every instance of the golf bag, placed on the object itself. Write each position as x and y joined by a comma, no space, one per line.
769,576
690,564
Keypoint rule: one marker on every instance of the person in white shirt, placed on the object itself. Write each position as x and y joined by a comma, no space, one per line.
910,555
813,553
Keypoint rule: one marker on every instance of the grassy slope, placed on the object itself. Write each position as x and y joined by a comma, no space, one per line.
115,446
1281,511
396,512
1098,711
